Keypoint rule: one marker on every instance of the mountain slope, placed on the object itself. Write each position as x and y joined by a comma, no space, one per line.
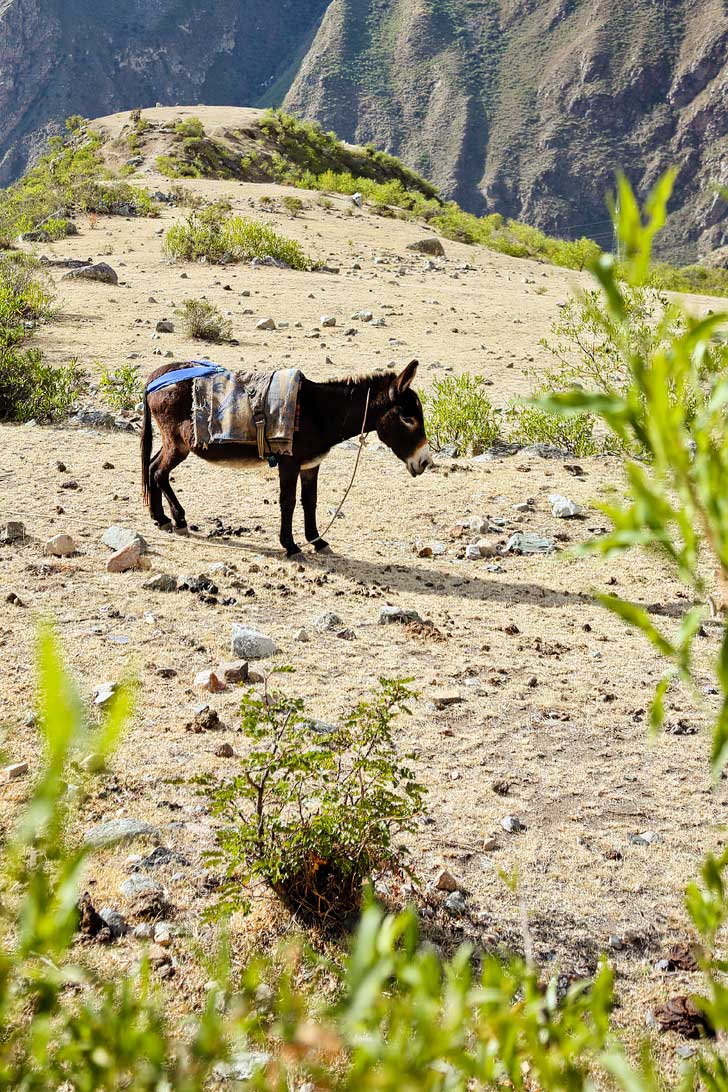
524,107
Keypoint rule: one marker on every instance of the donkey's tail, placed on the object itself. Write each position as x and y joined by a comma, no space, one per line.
146,446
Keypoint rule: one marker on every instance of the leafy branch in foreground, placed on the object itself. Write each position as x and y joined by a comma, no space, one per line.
670,407
316,809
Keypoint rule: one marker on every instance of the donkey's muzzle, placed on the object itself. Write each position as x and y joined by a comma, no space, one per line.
421,460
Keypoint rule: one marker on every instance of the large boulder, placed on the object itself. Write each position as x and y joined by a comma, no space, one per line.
97,271
431,246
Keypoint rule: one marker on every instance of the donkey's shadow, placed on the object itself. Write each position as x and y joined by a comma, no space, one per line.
406,579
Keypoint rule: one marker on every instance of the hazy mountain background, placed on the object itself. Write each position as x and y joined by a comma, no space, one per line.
523,107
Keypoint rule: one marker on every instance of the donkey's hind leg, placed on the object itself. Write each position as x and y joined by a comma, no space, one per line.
169,458
156,508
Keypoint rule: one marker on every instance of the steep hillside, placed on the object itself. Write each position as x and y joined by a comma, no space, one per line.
523,107
526,108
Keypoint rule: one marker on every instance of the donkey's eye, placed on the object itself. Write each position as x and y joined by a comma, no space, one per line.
409,422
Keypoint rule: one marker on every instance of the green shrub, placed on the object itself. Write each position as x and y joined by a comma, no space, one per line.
26,290
528,424
293,205
190,127
459,412
32,390
204,321
122,389
315,812
214,236
174,167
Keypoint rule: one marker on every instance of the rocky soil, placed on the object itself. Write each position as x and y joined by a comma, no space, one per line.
531,727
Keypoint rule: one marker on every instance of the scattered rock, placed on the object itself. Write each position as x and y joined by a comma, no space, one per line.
249,644
145,896
97,271
455,903
431,246
205,720
120,831
328,320
562,507
162,582
225,751
490,844
646,838
472,553
12,531
234,671
159,857
165,326
209,680
116,538
501,788
114,921
512,824
266,324
104,693
90,922
446,881
302,636
363,316
126,558
17,770
163,935
388,615
328,622
444,698
60,546
243,1066
521,543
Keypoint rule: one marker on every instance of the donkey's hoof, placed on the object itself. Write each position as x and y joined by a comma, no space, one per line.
293,551
322,548
166,525
181,529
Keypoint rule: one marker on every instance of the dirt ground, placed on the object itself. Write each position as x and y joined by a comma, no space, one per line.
554,691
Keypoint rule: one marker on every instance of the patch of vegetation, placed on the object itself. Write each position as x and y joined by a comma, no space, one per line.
190,127
30,389
459,412
527,424
204,321
292,205
122,388
70,177
316,812
213,235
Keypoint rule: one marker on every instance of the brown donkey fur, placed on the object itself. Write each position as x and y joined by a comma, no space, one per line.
328,413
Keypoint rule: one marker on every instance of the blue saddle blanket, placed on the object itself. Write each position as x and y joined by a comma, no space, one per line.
196,369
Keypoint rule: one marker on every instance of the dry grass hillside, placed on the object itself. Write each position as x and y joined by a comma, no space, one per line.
532,700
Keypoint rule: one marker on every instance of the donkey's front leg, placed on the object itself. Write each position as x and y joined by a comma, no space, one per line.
309,498
288,480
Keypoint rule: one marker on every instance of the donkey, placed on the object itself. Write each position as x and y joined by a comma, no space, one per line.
328,413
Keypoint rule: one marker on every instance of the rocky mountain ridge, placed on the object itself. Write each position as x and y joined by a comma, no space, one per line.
522,107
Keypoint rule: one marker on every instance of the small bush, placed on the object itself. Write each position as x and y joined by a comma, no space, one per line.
528,424
293,205
459,412
204,321
123,388
26,290
190,127
212,235
32,390
315,812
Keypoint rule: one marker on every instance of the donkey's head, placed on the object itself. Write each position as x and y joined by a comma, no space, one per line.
401,425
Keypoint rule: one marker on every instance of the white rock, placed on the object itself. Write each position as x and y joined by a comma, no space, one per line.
328,320
562,507
249,644
60,546
266,324
472,553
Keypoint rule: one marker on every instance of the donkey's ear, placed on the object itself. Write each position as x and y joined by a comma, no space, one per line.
405,378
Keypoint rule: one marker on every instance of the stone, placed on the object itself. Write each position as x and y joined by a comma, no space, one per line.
209,680
114,921
205,720
104,693
328,320
646,838
12,531
163,935
165,326
362,316
490,844
137,886
225,751
328,622
18,769
60,546
243,1066
472,553
233,671
487,549
302,636
521,543
145,931
512,824
120,831
455,903
126,558
446,881
161,856
390,615
97,271
266,324
443,698
357,199
249,644
116,538
162,582
431,246
562,507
